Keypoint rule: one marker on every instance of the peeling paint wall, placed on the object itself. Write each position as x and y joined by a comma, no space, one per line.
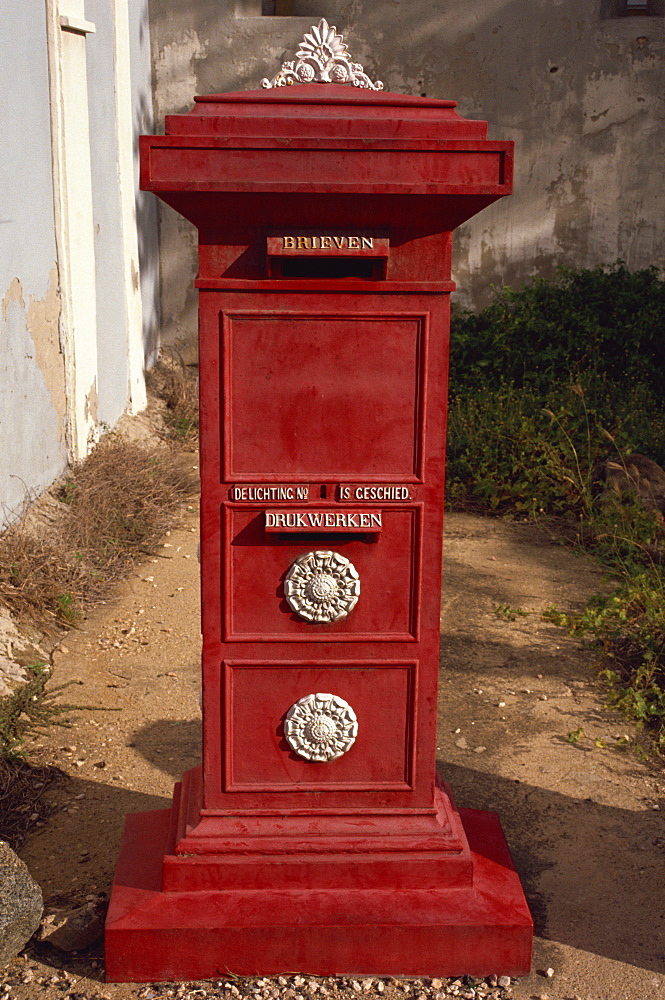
580,92
32,377
39,370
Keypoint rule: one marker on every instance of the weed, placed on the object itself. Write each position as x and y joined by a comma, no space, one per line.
628,627
508,613
31,706
177,385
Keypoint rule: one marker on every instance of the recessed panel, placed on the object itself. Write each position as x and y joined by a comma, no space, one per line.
311,396
259,562
258,696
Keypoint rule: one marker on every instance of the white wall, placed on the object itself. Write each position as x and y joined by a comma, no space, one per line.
32,391
73,268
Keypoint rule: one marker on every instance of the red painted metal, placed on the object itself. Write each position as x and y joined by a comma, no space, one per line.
323,398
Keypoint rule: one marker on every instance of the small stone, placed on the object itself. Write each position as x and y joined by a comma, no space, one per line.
503,982
542,697
436,984
549,973
462,743
355,985
479,749
282,981
492,981
380,986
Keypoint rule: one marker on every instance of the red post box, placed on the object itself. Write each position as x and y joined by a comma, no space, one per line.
315,836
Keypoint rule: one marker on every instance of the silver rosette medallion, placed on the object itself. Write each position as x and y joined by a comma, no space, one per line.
322,586
321,727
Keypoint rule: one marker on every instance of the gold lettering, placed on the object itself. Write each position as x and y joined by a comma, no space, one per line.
353,242
315,242
325,243
366,243
288,243
302,243
340,242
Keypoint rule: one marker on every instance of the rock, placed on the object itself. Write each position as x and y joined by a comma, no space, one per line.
73,930
504,981
21,904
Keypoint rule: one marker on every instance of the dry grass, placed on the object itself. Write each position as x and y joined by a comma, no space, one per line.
176,383
113,508
22,803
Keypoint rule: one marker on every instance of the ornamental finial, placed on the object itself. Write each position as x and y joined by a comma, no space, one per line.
322,57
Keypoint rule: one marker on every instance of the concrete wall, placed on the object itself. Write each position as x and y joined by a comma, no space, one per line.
32,374
574,83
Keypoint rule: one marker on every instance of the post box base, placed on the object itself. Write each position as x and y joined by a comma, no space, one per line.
153,935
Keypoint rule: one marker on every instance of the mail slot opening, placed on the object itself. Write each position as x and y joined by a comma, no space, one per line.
329,267
328,255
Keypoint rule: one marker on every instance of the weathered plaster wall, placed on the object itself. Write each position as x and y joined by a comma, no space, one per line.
580,92
112,317
44,347
32,379
147,213
112,379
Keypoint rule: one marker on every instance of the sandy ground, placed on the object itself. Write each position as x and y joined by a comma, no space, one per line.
584,822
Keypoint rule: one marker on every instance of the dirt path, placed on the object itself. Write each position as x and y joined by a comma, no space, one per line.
582,821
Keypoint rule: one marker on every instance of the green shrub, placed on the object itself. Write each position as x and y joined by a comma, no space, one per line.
547,384
604,322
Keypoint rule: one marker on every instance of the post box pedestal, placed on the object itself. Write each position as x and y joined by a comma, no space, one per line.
414,911
315,837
